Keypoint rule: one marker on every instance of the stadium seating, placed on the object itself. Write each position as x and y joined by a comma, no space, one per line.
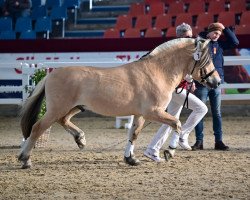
184,17
123,22
5,24
132,33
216,6
52,3
171,32
8,35
244,20
227,18
38,12
204,19
153,32
176,8
28,35
163,21
136,9
59,14
36,3
43,25
111,33
238,6
196,7
242,30
23,24
143,22
156,9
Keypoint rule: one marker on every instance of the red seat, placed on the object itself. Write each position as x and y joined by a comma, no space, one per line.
237,6
163,21
171,32
216,7
242,30
176,8
244,20
132,33
111,33
196,7
123,22
148,2
143,22
227,18
196,30
184,17
153,32
136,9
204,19
156,9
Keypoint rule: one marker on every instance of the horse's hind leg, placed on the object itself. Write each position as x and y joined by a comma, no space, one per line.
77,133
37,130
136,128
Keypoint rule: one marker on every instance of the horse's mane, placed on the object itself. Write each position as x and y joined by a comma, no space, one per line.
175,44
169,45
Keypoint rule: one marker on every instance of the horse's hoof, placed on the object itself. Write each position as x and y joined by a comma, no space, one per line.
131,160
26,166
81,142
168,155
26,162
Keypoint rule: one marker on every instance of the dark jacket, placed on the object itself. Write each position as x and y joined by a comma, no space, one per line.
217,48
10,6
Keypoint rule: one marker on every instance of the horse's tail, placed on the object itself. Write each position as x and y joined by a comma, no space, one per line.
31,108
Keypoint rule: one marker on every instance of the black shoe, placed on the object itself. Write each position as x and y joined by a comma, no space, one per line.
197,146
221,146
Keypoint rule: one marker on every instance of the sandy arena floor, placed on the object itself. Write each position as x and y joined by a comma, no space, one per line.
62,171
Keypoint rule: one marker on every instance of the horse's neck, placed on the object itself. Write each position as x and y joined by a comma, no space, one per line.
174,67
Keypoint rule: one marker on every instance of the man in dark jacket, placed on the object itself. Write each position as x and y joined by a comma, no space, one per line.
216,49
17,8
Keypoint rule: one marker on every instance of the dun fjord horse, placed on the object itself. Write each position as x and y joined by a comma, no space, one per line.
142,88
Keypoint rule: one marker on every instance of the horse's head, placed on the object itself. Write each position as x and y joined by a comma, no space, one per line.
204,70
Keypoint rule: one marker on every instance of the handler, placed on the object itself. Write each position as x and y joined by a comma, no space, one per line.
199,109
216,49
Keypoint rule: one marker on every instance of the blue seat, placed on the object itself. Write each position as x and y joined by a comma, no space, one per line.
36,3
38,12
5,24
52,3
59,13
8,35
23,24
72,4
28,35
43,25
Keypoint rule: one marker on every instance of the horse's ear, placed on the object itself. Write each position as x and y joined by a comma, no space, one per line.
205,43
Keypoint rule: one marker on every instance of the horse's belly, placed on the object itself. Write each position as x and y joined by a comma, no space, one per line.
111,107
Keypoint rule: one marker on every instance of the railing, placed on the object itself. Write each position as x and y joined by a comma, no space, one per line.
29,69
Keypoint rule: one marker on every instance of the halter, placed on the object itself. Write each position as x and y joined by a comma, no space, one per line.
204,76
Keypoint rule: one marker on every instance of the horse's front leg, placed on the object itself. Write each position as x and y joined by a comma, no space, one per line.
129,156
160,115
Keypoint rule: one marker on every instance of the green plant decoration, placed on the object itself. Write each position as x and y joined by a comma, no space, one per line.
36,77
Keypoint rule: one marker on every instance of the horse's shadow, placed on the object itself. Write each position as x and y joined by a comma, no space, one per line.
10,147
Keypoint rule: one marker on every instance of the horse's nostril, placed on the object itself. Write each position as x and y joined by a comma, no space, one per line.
219,83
